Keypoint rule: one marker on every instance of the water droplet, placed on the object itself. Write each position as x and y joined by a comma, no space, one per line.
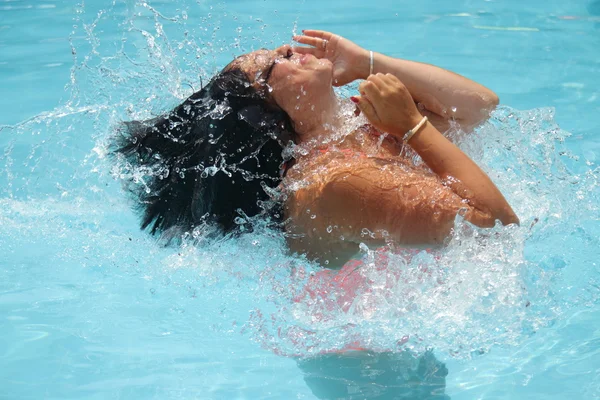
211,170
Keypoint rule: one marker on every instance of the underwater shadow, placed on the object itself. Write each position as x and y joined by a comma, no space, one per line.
355,375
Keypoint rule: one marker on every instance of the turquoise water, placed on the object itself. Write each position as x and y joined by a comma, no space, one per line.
92,308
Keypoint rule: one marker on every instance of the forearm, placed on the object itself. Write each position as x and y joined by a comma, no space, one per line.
442,92
388,104
461,174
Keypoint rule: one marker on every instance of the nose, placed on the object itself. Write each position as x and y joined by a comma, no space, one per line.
283,50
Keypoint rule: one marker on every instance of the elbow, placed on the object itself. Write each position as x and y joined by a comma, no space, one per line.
510,218
491,101
488,101
482,106
488,218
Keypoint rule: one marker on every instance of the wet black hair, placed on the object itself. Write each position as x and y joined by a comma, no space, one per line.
210,160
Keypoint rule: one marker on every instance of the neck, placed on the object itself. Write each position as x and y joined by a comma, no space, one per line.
320,119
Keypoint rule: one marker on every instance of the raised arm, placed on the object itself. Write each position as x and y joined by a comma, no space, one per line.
387,104
368,203
374,201
446,94
443,94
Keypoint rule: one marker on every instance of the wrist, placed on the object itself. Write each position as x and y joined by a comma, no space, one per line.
422,139
400,131
363,64
413,131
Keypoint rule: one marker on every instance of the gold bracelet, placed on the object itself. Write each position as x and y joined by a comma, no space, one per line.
411,132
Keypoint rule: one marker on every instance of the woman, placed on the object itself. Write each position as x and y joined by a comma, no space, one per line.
217,157
226,153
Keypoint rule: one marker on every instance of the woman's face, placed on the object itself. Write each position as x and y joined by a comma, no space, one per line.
298,83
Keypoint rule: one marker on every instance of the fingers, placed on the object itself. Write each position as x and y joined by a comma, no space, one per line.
391,80
308,50
366,107
317,34
311,41
320,44
387,104
370,89
379,81
383,80
378,86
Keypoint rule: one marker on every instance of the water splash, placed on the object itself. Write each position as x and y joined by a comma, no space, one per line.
485,288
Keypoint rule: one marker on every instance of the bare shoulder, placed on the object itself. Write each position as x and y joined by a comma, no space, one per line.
334,204
311,227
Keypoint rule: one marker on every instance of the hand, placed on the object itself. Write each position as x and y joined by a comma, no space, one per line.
387,104
350,61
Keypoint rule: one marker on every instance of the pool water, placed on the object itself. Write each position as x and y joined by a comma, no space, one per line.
90,307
